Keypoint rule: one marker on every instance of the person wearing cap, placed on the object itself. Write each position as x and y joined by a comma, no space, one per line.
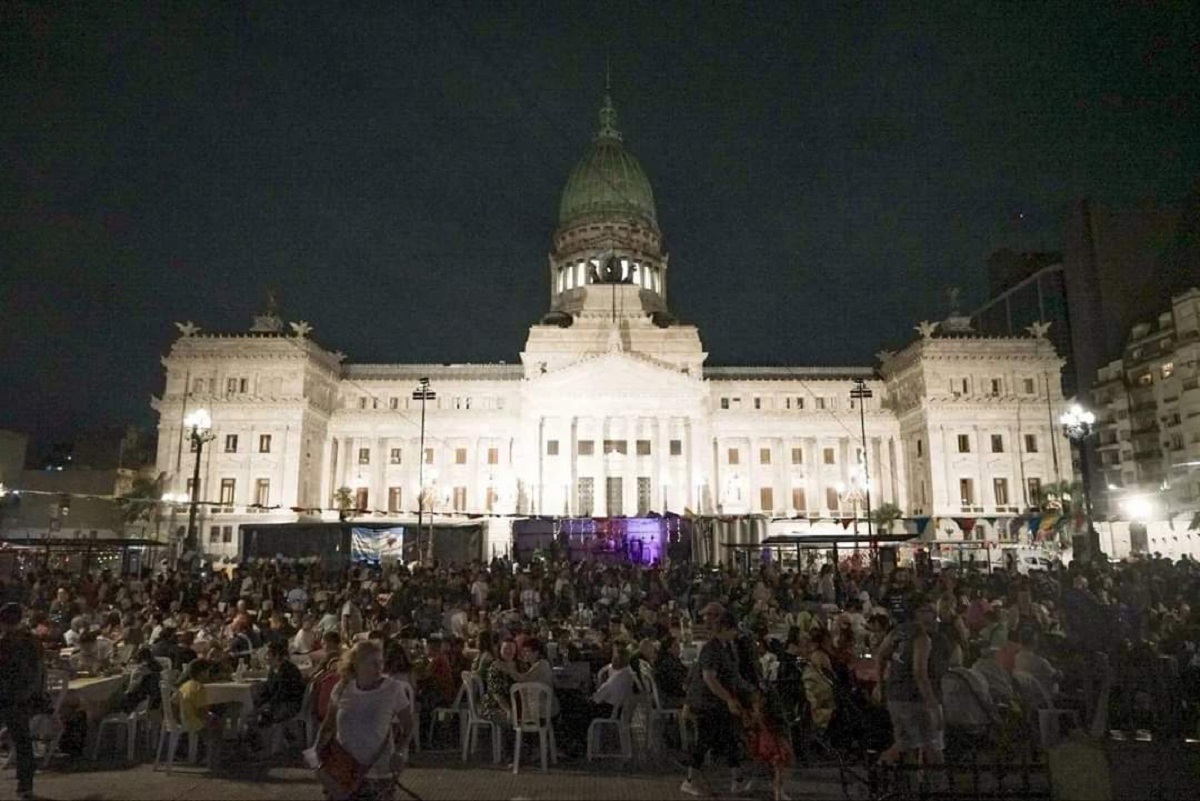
21,685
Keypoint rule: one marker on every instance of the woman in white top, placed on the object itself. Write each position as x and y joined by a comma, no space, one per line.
366,705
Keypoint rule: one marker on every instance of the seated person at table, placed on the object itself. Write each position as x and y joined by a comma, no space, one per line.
282,694
617,688
89,658
307,638
643,658
196,714
497,681
241,645
167,646
278,629
144,683
71,636
439,684
670,674
534,656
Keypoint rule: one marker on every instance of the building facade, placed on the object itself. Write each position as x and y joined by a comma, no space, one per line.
1148,413
611,409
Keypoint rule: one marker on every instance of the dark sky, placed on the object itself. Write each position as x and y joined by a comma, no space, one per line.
823,171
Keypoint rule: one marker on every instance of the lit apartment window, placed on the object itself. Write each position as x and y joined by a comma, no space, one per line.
997,443
766,499
460,499
1000,489
616,446
364,455
585,497
264,443
1031,443
643,447
1035,489
231,443
460,455
828,456
677,447
797,456
764,455
964,443
395,499
966,490
262,492
493,456
586,447
799,502
552,447
734,456
395,456
831,498
228,493
429,456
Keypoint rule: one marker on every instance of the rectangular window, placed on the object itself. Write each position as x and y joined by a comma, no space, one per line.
800,404
552,447
966,490
920,449
585,500
460,499
586,447
362,402
231,443
1000,489
364,455
734,456
214,534
997,384
489,499
758,403
614,494
643,495
799,502
1030,388
393,403
227,491
828,456
226,535
1035,490
264,443
1031,443
616,446
997,443
191,486
231,385
262,492
964,443
797,455
766,499
831,499
395,456
724,403
764,455
395,499
677,447
243,385
429,456
493,456
460,455
821,404
643,447
361,499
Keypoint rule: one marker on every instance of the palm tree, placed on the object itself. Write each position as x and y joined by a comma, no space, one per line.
142,503
884,516
1195,524
344,499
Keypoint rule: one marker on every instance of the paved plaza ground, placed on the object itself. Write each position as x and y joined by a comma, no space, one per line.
432,778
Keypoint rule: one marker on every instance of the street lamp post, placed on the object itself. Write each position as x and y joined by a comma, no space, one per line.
861,393
422,393
199,424
1079,425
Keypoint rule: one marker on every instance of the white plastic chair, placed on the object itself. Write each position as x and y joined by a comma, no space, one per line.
444,714
532,703
659,716
47,728
414,737
620,720
172,728
475,720
130,722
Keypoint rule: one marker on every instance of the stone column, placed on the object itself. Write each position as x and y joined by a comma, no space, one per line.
600,485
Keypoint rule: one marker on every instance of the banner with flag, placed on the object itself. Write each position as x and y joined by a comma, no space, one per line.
376,544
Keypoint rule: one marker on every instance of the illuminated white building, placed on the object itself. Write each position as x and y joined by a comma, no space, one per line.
611,409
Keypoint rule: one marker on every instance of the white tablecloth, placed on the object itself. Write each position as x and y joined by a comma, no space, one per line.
226,692
95,693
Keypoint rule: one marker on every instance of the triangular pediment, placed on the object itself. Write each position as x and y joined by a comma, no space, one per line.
617,373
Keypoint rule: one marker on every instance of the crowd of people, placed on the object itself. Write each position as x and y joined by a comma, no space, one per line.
794,659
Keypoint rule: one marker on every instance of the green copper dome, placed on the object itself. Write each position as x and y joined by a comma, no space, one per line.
607,181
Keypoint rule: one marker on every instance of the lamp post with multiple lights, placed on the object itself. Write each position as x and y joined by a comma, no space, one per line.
860,393
1079,424
423,393
199,425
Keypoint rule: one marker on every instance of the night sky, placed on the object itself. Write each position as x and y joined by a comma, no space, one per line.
823,172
